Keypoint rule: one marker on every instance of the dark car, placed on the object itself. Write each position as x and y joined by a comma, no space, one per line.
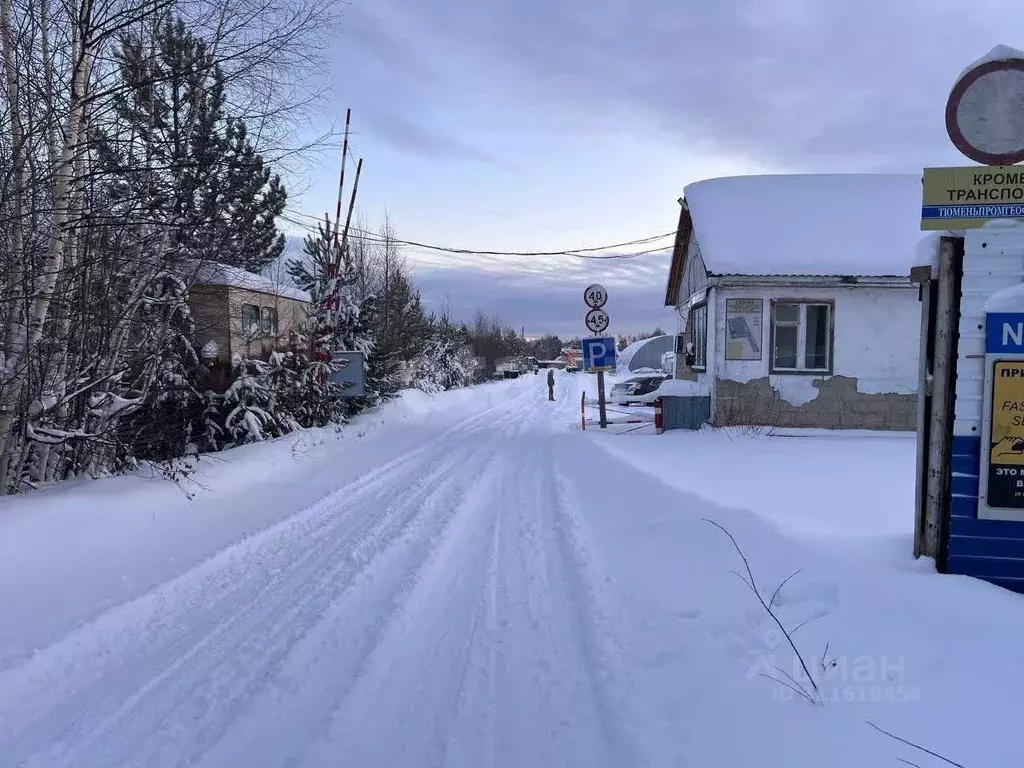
636,387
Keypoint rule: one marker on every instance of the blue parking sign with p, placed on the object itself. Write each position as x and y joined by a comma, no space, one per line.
598,354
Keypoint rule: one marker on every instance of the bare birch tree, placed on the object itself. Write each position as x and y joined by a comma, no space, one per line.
94,315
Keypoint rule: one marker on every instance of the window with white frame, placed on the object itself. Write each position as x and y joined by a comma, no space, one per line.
801,336
698,328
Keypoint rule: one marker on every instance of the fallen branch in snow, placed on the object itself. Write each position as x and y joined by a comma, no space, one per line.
814,694
915,746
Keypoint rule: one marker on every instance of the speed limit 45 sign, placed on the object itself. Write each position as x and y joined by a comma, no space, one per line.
597,321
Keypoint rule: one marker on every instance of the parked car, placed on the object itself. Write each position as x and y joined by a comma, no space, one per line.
636,387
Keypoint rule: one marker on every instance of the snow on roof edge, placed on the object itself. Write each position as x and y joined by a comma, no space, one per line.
212,273
819,225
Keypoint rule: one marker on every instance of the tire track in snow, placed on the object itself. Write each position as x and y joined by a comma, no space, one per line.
596,618
171,677
86,682
181,627
372,681
328,502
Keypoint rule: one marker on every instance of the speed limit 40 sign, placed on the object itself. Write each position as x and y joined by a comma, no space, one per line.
595,296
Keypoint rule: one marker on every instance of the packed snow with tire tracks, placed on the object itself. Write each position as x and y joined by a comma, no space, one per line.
502,591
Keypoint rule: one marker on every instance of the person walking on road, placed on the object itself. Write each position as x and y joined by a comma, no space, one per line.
551,384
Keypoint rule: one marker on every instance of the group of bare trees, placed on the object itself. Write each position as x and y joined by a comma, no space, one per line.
136,141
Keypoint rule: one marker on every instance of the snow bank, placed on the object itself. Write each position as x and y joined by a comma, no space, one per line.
850,484
842,224
677,388
221,274
931,658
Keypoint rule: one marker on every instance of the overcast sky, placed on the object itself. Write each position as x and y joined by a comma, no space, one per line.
557,124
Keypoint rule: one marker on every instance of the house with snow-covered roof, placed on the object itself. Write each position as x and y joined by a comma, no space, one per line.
796,306
237,312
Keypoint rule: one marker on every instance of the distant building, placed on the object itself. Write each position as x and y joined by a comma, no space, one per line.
572,356
645,354
795,301
509,367
241,313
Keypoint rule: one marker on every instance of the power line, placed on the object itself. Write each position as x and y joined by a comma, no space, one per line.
576,252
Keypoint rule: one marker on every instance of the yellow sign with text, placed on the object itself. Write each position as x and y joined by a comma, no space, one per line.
966,198
1007,441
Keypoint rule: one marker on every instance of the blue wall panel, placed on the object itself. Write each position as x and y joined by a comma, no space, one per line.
992,550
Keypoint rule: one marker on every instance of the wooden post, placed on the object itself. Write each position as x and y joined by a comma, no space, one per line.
600,400
341,181
943,379
924,282
351,207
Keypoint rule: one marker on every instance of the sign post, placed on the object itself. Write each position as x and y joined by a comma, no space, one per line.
598,353
598,357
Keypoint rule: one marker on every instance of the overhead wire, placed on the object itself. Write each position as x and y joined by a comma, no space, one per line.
581,253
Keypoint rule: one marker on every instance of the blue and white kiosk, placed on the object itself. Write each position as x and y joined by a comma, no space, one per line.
982,534
970,514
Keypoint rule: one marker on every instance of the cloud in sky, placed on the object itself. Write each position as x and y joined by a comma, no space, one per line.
799,82
549,124
546,301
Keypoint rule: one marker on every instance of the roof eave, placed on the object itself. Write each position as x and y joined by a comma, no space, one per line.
679,253
829,281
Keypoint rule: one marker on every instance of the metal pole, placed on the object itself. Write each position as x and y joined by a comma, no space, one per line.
600,399
943,377
583,411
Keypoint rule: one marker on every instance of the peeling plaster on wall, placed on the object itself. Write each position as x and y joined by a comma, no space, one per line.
795,390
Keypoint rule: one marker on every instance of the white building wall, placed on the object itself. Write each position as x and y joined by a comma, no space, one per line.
876,339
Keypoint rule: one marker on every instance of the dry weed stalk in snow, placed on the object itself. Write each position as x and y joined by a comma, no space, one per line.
918,747
811,691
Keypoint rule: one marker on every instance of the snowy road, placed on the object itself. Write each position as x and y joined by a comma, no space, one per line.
441,610
498,591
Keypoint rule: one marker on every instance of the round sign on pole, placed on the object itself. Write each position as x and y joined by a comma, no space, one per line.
595,295
597,321
985,111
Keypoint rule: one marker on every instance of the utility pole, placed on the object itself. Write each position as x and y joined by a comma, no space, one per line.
341,181
351,207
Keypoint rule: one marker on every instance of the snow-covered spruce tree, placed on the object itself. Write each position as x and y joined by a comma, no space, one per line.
173,143
448,361
255,406
339,320
170,410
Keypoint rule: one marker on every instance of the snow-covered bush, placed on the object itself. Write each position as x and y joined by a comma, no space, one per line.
448,361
